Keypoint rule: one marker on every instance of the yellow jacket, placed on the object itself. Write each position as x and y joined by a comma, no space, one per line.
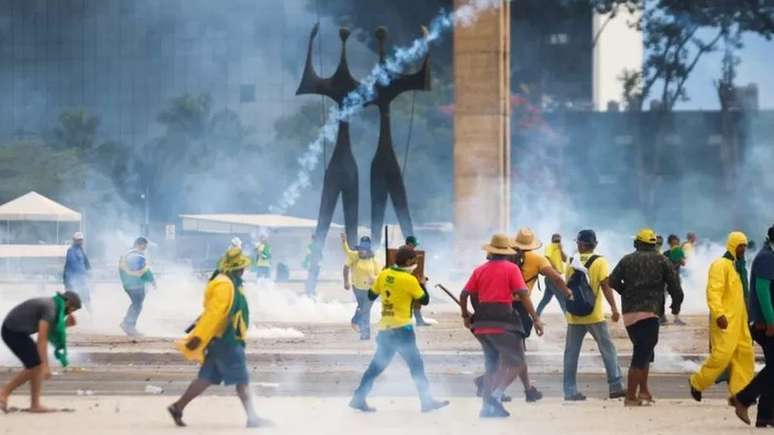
725,294
218,299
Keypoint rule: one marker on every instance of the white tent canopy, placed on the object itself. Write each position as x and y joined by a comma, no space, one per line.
245,223
33,251
36,207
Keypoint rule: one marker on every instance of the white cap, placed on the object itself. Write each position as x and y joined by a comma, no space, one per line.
78,236
236,241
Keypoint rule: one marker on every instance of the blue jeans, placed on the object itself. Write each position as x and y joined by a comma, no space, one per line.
552,291
388,343
362,317
572,349
137,296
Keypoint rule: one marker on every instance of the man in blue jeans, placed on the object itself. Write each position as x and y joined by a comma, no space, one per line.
597,270
398,290
135,275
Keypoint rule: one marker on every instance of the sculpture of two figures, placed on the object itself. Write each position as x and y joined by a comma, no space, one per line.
341,174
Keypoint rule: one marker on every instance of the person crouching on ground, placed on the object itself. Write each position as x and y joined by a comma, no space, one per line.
363,267
135,276
640,278
762,325
49,318
217,341
730,337
398,290
497,326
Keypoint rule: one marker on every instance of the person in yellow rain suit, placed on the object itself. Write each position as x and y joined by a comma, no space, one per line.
730,337
217,341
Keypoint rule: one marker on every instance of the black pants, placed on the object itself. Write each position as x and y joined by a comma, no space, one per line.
762,386
644,337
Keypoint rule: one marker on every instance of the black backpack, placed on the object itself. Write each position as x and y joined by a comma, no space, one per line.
583,294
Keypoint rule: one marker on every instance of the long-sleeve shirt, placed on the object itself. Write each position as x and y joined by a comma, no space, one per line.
762,294
640,278
76,265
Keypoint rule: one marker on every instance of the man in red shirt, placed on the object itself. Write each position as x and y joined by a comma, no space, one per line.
495,323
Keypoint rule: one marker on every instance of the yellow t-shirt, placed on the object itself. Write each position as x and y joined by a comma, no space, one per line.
530,269
398,290
554,255
598,272
363,271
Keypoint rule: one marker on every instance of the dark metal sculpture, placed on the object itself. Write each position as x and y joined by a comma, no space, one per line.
341,177
386,177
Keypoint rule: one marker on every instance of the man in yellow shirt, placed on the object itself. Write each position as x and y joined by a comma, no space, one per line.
556,256
363,267
597,270
398,290
217,340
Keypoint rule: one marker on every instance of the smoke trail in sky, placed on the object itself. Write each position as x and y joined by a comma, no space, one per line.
382,74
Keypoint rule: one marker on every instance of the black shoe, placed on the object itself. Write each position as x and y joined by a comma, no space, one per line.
176,414
432,405
764,423
533,395
577,397
696,394
493,409
360,404
617,394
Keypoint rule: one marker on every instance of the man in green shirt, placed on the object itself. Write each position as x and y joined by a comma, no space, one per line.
676,256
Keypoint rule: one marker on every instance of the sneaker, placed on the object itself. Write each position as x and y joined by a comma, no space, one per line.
360,404
618,394
259,422
493,409
577,397
679,322
506,398
532,395
130,330
432,405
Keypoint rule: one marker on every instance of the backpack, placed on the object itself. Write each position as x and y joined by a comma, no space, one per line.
583,294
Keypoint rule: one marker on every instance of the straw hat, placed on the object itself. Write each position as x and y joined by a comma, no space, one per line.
525,240
234,259
500,245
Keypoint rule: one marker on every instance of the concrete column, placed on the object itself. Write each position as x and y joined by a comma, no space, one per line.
482,138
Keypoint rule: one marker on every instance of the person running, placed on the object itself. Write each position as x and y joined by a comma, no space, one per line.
676,257
76,271
496,325
263,258
761,388
398,290
555,254
363,267
597,269
49,318
412,242
135,276
640,278
730,339
217,340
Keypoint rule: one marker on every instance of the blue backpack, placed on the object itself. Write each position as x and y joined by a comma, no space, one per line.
583,294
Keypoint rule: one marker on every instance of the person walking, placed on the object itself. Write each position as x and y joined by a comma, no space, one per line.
76,270
363,268
761,388
135,276
730,339
556,256
49,318
217,340
640,278
496,325
398,290
263,258
676,257
597,270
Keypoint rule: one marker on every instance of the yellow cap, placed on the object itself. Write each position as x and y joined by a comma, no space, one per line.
646,235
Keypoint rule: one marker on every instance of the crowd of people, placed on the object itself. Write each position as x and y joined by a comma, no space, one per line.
502,317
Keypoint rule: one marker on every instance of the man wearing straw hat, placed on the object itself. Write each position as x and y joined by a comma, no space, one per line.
497,326
217,341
